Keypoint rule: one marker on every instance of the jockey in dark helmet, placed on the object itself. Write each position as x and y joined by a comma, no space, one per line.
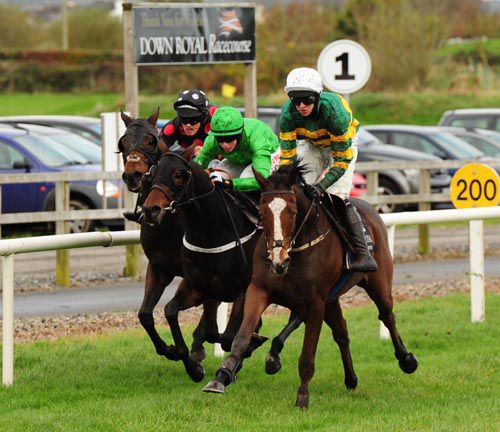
190,126
192,123
321,129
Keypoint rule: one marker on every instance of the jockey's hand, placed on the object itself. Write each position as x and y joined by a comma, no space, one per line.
221,179
314,192
196,150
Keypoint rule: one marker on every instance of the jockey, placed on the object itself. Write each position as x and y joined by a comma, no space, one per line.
192,124
321,129
243,144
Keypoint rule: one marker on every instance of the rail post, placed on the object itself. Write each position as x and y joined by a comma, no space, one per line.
476,247
63,271
8,320
424,188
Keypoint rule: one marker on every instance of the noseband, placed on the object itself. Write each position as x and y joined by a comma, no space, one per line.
280,243
187,189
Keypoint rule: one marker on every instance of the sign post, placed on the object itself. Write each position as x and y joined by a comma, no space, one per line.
476,185
345,67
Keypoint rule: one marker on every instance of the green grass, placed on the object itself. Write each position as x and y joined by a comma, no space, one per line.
370,108
117,383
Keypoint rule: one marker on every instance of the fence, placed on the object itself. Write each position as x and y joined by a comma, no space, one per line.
8,249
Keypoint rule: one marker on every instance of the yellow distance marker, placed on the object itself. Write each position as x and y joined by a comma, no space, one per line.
475,185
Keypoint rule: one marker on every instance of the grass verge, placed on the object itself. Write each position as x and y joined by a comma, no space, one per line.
117,383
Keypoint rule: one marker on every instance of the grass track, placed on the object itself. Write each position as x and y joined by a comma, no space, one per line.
117,383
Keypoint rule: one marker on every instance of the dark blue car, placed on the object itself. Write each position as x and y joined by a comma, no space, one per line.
22,152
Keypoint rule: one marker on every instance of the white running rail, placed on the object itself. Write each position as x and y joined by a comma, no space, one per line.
9,248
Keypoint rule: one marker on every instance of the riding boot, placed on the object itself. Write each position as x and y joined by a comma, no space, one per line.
364,262
134,216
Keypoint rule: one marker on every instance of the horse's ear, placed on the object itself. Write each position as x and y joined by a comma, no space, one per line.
126,119
294,174
153,118
261,180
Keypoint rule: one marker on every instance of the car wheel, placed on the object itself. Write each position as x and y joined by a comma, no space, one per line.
388,188
80,225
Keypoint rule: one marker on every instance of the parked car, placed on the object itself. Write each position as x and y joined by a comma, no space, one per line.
86,148
428,139
395,182
87,127
22,152
488,143
485,118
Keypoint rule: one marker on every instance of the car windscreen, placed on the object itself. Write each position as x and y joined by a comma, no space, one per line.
459,148
90,151
49,151
481,144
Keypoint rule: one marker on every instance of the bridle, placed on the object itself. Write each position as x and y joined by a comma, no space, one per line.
152,156
280,243
186,191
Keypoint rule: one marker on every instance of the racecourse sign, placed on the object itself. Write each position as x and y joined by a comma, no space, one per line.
194,33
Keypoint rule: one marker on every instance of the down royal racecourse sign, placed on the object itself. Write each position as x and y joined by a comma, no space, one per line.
194,33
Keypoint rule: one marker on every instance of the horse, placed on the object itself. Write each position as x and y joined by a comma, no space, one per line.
299,263
141,149
219,241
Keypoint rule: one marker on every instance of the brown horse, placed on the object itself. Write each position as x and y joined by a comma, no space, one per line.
141,149
299,263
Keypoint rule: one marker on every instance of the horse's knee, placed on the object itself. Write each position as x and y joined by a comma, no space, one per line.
146,319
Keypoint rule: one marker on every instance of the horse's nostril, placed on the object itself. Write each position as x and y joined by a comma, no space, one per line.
138,175
155,211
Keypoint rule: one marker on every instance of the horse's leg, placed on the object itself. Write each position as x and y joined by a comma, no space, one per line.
183,299
153,289
205,331
256,302
380,292
273,361
233,325
313,322
335,320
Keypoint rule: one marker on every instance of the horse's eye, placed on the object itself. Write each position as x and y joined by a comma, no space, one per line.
179,175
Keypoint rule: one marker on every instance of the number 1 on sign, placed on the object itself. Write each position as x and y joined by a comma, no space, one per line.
344,59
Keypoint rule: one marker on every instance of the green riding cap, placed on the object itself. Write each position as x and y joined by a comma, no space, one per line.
227,121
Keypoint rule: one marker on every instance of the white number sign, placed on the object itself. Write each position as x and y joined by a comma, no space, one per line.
345,66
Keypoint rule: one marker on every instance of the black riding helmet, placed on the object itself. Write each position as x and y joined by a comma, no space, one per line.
192,103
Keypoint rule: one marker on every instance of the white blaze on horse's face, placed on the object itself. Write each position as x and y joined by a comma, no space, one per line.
277,205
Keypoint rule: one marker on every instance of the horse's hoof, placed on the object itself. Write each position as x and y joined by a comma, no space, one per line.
273,364
302,401
171,353
409,363
351,382
196,372
198,355
214,387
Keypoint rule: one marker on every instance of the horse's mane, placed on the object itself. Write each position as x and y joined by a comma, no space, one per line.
284,172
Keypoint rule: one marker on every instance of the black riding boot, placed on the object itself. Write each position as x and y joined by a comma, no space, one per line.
134,216
364,261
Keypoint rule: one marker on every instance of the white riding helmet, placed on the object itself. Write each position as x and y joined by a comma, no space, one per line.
304,79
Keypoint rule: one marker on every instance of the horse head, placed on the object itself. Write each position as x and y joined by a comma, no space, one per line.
278,213
173,186
141,148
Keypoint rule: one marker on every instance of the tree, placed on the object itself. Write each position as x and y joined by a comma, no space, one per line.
18,30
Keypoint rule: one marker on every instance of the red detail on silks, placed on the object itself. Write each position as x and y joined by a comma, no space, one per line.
212,110
198,142
169,129
208,126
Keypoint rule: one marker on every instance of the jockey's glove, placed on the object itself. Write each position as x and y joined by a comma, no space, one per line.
221,179
314,192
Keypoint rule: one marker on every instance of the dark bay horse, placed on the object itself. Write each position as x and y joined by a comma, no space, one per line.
299,263
142,149
219,242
